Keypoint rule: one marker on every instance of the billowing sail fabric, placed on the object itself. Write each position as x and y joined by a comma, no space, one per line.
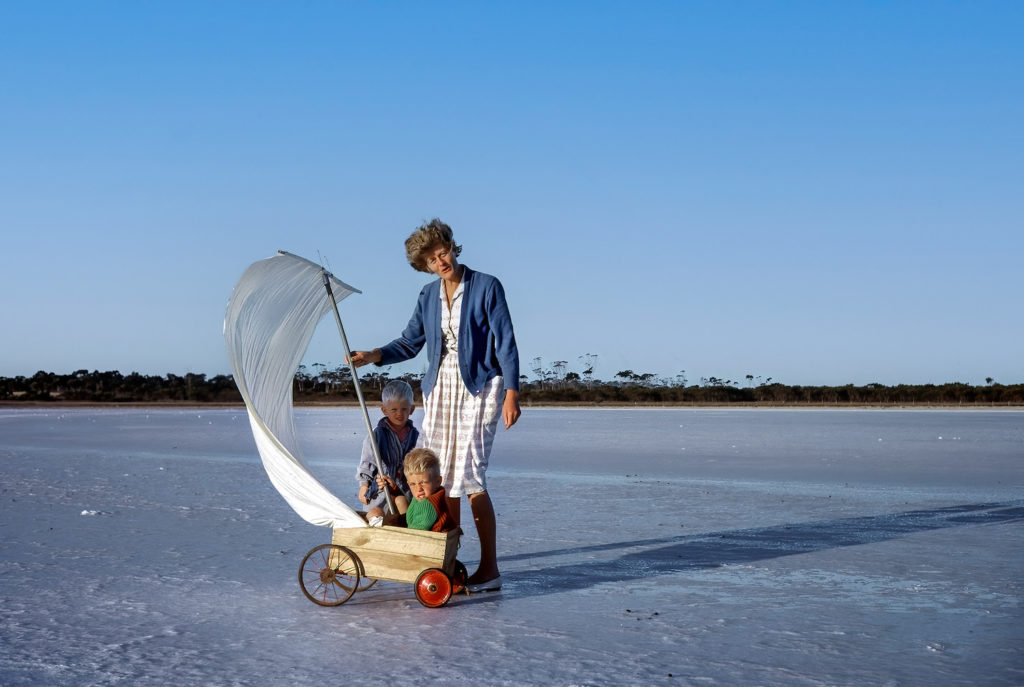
270,320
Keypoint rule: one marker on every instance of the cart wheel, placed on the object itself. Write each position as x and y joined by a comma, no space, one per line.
364,581
433,588
329,575
459,575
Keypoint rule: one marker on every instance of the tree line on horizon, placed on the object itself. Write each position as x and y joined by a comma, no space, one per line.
551,385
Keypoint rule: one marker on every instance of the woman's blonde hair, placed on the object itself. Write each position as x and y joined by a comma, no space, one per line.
427,239
422,461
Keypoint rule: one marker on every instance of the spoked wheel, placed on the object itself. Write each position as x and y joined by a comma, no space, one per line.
329,575
365,583
459,575
433,588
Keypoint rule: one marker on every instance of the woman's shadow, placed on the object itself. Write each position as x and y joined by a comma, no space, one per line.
671,555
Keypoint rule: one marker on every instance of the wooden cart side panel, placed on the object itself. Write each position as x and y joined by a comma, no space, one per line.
392,540
397,553
395,567
451,548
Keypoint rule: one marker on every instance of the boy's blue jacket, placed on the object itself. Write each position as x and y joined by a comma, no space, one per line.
392,455
487,344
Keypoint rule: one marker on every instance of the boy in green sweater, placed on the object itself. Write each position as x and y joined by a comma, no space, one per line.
428,509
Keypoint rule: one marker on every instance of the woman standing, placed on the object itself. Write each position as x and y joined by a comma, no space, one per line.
472,376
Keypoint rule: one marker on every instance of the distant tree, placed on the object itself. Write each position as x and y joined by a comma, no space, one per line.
627,387
587,362
318,377
193,381
559,369
538,369
337,378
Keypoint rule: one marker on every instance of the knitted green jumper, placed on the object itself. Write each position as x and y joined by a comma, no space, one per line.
421,515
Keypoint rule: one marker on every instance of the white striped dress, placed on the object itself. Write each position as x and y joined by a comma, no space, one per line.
458,426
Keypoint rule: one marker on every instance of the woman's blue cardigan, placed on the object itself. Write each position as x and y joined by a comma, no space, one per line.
487,344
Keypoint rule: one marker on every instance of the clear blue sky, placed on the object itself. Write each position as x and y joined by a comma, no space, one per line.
822,193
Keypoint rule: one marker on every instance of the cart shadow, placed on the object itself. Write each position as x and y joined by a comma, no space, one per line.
678,554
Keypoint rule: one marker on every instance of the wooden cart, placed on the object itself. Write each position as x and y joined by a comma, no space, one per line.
359,556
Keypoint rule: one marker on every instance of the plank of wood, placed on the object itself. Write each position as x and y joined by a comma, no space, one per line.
396,567
397,553
392,539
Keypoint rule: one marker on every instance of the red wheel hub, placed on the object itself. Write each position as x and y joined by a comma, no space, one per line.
433,588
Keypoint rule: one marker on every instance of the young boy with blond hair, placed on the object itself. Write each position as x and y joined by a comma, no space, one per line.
395,436
428,507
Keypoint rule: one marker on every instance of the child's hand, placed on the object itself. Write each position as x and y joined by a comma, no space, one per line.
363,488
384,480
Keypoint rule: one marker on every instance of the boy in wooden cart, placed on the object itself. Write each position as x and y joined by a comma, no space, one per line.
395,435
428,508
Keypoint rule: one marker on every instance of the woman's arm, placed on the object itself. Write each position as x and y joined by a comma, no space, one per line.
408,345
360,358
505,348
405,347
510,409
506,351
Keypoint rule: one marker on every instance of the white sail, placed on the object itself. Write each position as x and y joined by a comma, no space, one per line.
270,320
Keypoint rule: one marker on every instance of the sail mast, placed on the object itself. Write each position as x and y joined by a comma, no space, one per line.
359,392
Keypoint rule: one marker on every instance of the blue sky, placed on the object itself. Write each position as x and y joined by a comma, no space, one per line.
821,193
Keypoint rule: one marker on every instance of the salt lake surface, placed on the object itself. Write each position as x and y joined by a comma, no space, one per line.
654,546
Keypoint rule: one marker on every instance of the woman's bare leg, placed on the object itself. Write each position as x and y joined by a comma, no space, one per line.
486,530
455,508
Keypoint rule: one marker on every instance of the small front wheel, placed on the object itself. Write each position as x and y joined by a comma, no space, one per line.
329,575
433,588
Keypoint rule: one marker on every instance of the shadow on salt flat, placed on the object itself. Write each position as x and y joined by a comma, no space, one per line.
714,549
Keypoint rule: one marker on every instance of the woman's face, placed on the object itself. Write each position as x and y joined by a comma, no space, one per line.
442,262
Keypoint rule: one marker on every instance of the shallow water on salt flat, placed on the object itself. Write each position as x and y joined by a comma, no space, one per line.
656,546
